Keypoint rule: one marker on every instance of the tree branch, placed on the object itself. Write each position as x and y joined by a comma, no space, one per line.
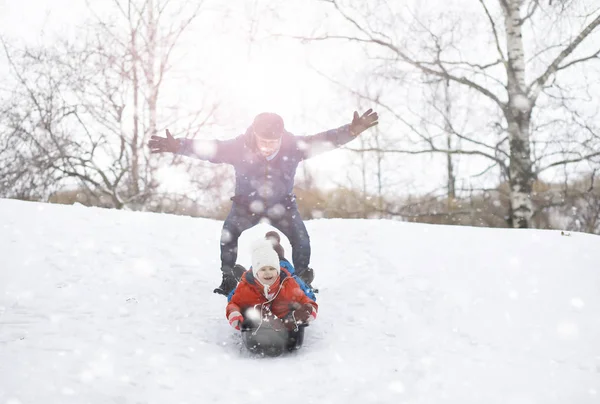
536,86
403,56
493,24
568,161
530,12
584,59
432,150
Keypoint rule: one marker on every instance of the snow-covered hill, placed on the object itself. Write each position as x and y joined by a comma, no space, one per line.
103,306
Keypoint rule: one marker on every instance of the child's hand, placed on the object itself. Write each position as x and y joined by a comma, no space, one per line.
275,322
304,314
235,319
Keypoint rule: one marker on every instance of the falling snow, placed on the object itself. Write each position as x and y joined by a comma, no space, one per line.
318,148
567,330
577,303
521,102
205,148
257,207
226,236
276,211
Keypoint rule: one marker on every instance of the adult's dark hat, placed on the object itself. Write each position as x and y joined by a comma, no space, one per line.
268,125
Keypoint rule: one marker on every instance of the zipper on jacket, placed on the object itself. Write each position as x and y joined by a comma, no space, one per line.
262,305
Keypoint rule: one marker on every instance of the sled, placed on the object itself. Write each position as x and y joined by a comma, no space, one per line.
265,341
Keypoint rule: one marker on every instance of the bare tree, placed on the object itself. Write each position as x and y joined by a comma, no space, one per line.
496,82
88,107
33,113
23,173
585,207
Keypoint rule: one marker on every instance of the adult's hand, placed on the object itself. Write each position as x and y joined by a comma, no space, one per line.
159,144
363,122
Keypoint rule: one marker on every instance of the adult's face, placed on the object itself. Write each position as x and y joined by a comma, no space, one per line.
266,146
268,129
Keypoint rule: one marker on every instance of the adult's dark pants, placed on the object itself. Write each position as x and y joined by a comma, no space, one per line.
284,218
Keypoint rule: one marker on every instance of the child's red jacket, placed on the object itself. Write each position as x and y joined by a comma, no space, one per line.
285,294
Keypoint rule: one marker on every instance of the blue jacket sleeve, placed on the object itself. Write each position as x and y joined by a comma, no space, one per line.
215,151
310,146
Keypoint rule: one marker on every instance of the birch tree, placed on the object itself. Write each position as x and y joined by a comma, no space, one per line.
526,62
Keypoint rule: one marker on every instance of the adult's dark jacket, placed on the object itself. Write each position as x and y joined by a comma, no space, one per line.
256,178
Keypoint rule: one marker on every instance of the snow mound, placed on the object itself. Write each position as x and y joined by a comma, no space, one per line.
103,306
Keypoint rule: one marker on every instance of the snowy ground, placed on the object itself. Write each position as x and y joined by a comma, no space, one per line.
102,306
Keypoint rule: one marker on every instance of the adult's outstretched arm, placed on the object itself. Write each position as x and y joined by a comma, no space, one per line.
310,146
215,151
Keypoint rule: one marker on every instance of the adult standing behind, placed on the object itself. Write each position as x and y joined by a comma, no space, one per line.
265,159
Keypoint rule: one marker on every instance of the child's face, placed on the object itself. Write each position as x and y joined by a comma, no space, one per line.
267,275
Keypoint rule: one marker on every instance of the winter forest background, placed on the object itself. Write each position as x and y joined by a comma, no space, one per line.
488,108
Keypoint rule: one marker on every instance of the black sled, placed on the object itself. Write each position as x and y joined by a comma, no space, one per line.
265,341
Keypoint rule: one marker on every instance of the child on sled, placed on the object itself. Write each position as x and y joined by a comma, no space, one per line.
269,305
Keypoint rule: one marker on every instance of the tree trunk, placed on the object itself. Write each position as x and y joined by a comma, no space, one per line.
150,66
136,120
518,113
520,171
152,85
363,169
449,162
379,157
